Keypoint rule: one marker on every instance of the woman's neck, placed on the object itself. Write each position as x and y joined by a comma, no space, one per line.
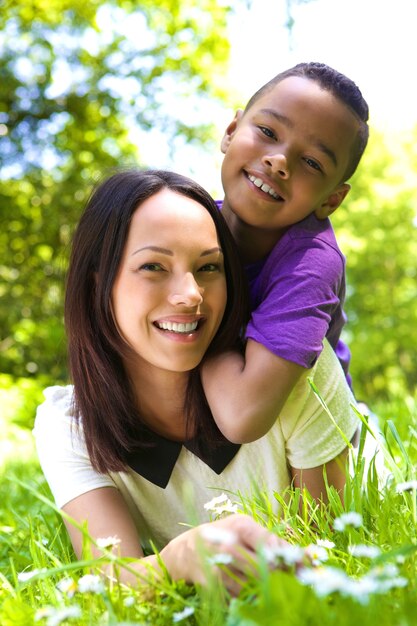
160,397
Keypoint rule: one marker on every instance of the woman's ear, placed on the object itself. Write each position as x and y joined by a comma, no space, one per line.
230,131
333,202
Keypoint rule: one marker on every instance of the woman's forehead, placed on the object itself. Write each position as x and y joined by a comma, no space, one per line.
171,217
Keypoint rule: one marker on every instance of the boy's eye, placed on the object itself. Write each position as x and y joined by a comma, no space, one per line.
312,163
267,131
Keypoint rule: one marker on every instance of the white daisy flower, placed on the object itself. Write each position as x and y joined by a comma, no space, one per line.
384,578
90,583
68,586
54,616
348,519
178,617
317,554
362,550
24,577
221,504
409,485
218,535
325,543
221,558
286,553
324,580
107,542
215,502
327,580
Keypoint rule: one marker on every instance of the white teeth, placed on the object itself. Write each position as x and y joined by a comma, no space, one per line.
178,328
266,188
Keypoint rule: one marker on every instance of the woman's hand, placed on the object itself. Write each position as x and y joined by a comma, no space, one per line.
226,549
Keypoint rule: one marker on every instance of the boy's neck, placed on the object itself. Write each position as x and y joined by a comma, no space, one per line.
254,243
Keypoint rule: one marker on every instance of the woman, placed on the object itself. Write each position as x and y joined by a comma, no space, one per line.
153,285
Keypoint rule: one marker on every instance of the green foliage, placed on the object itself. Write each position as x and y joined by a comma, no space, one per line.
376,228
19,399
345,588
75,78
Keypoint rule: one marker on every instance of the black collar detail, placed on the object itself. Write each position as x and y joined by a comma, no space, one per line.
156,460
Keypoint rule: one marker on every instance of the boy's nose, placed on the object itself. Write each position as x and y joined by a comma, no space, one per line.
278,164
186,291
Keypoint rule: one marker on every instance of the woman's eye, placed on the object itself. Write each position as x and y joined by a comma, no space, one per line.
312,163
210,267
267,131
151,267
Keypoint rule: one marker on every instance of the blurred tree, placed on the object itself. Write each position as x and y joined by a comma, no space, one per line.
376,228
75,77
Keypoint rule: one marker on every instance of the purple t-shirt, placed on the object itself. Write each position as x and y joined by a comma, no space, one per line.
297,294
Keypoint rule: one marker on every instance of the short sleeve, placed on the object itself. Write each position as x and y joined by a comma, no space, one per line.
313,437
299,299
61,449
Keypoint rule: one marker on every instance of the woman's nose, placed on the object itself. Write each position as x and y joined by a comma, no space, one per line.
186,291
278,164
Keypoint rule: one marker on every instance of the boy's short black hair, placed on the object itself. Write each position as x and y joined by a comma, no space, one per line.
339,86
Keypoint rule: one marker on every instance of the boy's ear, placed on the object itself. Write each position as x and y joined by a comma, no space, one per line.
333,201
230,131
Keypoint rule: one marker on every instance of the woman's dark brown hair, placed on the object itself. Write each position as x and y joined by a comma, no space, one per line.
103,394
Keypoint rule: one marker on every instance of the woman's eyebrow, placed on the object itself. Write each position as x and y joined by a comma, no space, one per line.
212,251
154,249
170,252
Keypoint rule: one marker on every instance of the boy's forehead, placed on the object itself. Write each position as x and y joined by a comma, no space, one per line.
302,103
309,92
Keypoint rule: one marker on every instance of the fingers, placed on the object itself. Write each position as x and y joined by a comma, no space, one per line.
232,544
226,551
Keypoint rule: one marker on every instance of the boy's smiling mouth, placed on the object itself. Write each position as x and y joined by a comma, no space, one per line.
258,182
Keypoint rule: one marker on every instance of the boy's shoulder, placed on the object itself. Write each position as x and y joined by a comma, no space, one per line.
310,232
312,228
309,242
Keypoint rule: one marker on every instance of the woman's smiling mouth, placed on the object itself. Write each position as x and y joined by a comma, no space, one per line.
178,327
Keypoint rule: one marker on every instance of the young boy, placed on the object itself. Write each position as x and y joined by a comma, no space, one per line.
287,158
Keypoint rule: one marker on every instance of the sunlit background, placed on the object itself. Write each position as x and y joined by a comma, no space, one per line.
87,87
371,41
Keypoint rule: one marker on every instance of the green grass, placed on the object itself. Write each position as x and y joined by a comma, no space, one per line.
341,589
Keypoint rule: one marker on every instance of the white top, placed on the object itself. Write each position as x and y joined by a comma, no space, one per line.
303,437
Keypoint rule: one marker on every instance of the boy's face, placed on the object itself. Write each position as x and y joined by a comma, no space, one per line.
286,156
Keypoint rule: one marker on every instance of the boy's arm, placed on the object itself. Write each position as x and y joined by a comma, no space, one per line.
299,292
246,394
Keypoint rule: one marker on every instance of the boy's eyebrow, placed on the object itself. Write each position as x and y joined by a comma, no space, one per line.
321,146
170,252
279,117
290,124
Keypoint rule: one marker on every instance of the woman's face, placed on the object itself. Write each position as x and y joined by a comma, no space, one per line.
169,295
